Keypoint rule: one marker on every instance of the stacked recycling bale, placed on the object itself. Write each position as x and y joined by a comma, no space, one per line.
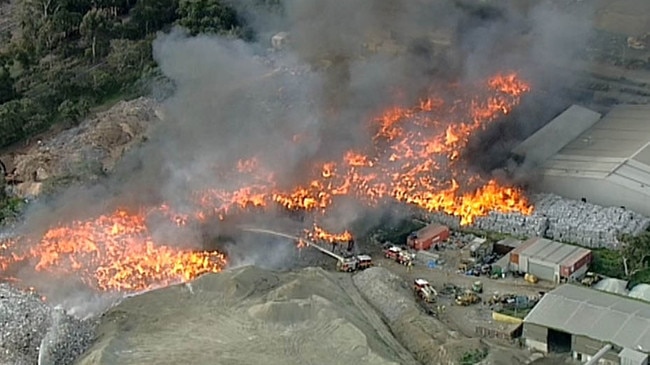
561,220
514,224
587,224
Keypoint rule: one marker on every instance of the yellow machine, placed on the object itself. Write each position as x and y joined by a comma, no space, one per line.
531,278
467,298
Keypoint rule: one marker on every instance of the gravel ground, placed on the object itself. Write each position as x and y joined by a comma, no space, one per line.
386,291
34,333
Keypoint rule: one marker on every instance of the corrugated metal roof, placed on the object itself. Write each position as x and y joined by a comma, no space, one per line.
431,230
595,314
616,148
510,242
619,134
612,285
581,166
641,291
548,140
643,156
552,252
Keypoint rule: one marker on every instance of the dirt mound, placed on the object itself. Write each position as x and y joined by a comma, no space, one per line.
85,152
246,316
427,338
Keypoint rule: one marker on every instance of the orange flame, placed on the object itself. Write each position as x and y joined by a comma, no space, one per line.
415,158
319,234
114,253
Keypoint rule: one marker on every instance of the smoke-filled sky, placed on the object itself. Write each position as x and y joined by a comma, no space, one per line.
230,103
234,100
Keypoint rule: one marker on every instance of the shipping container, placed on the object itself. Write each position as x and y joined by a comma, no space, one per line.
428,236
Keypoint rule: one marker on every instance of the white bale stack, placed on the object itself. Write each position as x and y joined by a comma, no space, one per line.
561,220
585,223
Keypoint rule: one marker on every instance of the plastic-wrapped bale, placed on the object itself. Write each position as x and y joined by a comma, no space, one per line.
585,223
445,219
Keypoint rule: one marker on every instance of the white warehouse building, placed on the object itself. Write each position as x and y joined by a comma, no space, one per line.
605,161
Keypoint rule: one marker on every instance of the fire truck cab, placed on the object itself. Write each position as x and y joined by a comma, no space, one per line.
420,283
348,264
392,252
365,261
424,291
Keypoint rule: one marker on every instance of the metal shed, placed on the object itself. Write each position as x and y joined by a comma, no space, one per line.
589,319
550,260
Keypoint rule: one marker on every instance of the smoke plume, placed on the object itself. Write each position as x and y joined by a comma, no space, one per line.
346,60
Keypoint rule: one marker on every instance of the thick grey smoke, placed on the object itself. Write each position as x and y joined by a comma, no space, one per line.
346,61
233,100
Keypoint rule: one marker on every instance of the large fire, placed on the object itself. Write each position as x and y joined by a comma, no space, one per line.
415,157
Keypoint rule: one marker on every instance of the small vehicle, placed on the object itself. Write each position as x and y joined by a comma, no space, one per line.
348,264
531,278
424,291
467,298
477,287
365,262
392,252
590,279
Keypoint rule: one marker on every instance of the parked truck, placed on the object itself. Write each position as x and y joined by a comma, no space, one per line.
425,291
354,263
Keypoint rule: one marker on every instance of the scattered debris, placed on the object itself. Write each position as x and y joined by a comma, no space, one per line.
31,332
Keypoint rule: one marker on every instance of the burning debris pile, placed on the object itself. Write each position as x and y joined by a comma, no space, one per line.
31,332
415,158
562,220
110,253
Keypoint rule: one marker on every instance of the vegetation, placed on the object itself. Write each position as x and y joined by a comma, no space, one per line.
473,357
10,207
608,263
62,58
629,263
66,57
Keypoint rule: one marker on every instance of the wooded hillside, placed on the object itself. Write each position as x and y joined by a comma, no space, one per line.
63,57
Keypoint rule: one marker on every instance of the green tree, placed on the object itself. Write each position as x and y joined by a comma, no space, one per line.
148,16
95,28
7,88
38,29
636,253
71,112
128,56
207,16
11,122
